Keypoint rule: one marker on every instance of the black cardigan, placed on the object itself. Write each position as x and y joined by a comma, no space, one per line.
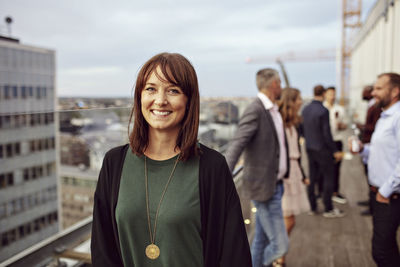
223,233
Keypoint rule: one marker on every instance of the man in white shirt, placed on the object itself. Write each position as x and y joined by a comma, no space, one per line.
383,153
337,121
261,138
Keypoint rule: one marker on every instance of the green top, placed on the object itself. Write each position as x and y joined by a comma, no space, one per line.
178,224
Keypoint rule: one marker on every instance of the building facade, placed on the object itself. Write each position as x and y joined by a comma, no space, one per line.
28,158
77,192
375,50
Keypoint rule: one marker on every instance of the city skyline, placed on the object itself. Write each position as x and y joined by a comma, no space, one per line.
100,46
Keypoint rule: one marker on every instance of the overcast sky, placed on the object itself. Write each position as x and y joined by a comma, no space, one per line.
100,45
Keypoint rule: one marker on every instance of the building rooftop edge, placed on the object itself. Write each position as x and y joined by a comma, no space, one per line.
11,42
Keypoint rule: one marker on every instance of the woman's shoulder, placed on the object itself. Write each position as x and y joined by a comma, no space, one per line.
207,153
116,152
211,159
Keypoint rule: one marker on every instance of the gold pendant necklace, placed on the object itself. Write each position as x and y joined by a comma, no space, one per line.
152,250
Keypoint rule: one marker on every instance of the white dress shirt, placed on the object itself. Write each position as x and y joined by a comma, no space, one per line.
336,116
278,122
384,152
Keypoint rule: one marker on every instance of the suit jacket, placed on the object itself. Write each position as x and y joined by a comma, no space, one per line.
317,131
257,138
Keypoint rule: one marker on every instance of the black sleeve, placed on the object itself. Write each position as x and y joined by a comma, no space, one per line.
225,242
104,248
235,249
326,132
299,130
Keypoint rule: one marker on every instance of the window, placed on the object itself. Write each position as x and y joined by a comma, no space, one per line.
10,178
37,198
16,205
34,173
42,222
1,151
30,89
9,150
23,92
53,142
6,121
17,148
4,239
50,218
15,91
39,144
44,92
46,144
12,235
46,118
38,95
3,211
49,118
32,146
28,228
25,203
40,171
21,231
7,92
42,118
26,174
23,120
17,121
2,181
36,225
33,119
31,200
49,169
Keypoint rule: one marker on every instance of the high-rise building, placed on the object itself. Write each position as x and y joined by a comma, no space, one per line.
28,159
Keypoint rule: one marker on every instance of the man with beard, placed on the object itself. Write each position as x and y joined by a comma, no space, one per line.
384,170
261,137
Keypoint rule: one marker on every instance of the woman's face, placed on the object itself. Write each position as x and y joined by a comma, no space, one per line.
298,102
163,104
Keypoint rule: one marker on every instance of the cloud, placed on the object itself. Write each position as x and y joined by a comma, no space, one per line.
102,44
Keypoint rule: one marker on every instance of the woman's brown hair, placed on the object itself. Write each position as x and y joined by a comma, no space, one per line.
286,104
178,71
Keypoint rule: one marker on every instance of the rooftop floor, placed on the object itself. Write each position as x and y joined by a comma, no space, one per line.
318,241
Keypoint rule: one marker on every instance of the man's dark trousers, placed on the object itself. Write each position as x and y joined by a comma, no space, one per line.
320,163
386,221
336,168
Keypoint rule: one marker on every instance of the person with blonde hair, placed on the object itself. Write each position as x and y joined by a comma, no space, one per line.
294,199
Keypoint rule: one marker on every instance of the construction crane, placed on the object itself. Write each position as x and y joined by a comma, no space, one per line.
351,22
316,55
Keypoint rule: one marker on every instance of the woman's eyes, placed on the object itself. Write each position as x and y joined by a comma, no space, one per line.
172,91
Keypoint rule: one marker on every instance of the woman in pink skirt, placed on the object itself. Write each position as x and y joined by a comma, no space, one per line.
294,199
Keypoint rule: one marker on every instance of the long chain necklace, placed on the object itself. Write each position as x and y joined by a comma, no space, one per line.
152,250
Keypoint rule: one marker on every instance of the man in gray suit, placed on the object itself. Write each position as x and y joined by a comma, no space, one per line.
261,137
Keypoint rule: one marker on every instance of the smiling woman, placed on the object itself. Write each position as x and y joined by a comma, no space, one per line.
165,199
163,104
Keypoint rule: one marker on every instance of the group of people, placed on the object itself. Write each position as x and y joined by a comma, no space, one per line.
165,199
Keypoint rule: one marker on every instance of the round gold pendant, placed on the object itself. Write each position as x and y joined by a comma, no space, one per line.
152,251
